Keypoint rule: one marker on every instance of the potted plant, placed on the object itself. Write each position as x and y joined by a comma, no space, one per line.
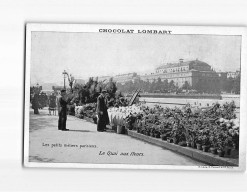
156,134
228,145
188,143
235,141
221,138
205,143
175,134
182,143
213,144
188,138
169,139
164,136
138,126
199,142
220,149
162,132
147,132
151,132
175,140
193,136
130,120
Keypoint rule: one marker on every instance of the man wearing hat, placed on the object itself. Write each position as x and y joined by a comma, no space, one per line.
101,110
62,103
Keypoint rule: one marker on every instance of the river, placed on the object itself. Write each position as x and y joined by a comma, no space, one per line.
202,103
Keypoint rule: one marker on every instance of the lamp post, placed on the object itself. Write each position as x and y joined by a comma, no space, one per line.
64,76
37,88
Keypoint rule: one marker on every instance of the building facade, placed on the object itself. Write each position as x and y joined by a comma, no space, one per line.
233,74
193,72
123,78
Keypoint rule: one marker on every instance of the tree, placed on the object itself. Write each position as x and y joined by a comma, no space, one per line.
165,86
152,86
158,84
186,86
172,86
228,86
71,80
236,85
111,87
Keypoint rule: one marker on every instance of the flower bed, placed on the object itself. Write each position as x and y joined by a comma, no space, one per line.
125,116
214,129
87,110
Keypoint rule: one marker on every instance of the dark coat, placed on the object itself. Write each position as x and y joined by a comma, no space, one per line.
35,101
52,101
101,107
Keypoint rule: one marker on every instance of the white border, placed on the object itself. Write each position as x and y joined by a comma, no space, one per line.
175,30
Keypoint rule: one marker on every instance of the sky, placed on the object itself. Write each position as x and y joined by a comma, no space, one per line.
101,54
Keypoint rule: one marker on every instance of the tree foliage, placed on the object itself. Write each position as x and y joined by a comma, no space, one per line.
89,92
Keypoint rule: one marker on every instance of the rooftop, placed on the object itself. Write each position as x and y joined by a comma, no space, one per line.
183,63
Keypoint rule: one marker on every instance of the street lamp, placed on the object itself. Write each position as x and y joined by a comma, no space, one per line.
64,76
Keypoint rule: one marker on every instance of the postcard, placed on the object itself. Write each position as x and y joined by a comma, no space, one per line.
135,97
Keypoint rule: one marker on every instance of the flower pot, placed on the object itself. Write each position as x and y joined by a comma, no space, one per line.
157,135
193,145
188,144
221,153
120,129
182,143
205,148
175,141
163,137
228,151
198,146
170,140
213,150
235,146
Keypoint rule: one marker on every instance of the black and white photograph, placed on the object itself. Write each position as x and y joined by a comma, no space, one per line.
134,96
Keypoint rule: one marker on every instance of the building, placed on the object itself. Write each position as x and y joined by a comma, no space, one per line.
79,81
123,78
197,73
233,74
193,71
103,78
57,89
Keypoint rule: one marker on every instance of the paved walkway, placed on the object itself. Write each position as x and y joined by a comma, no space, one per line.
83,144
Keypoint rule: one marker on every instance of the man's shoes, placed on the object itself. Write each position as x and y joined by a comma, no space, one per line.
65,129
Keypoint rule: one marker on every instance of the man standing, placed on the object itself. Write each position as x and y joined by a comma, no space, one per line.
101,110
35,102
62,103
